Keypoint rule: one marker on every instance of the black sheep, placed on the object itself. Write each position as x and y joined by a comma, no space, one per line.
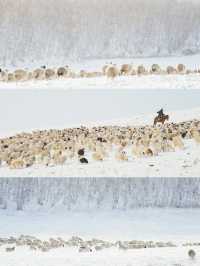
81,152
83,160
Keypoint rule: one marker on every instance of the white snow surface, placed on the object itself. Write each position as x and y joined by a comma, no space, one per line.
182,82
146,257
176,225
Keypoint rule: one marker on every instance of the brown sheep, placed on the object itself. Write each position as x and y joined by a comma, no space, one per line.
20,75
10,77
181,68
50,73
121,156
133,72
141,70
16,164
38,74
177,142
196,135
62,72
188,71
171,70
112,72
126,69
97,156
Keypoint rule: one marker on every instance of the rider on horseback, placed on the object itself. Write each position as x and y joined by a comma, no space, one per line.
161,118
160,113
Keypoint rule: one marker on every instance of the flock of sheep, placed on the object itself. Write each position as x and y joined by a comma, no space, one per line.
36,244
86,145
109,70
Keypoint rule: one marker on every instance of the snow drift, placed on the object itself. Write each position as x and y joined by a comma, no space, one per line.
83,194
57,31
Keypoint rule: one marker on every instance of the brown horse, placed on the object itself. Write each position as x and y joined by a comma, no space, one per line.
160,119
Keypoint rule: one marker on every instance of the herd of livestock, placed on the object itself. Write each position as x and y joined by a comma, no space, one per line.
86,145
110,71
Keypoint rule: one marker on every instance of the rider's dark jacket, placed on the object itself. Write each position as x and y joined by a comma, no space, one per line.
160,113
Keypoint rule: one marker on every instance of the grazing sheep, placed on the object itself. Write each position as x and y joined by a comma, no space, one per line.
196,135
126,69
20,75
29,76
181,69
33,248
188,71
83,160
93,74
149,152
10,77
191,253
121,156
50,73
59,159
155,69
112,72
133,72
38,74
10,249
121,245
139,147
81,152
62,72
84,249
141,70
53,147
45,249
97,156
16,164
171,70
71,74
99,247
177,142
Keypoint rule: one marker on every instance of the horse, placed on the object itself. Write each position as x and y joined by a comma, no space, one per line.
160,119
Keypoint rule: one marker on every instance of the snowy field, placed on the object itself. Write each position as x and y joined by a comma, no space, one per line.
190,81
62,257
176,225
179,225
185,82
64,32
